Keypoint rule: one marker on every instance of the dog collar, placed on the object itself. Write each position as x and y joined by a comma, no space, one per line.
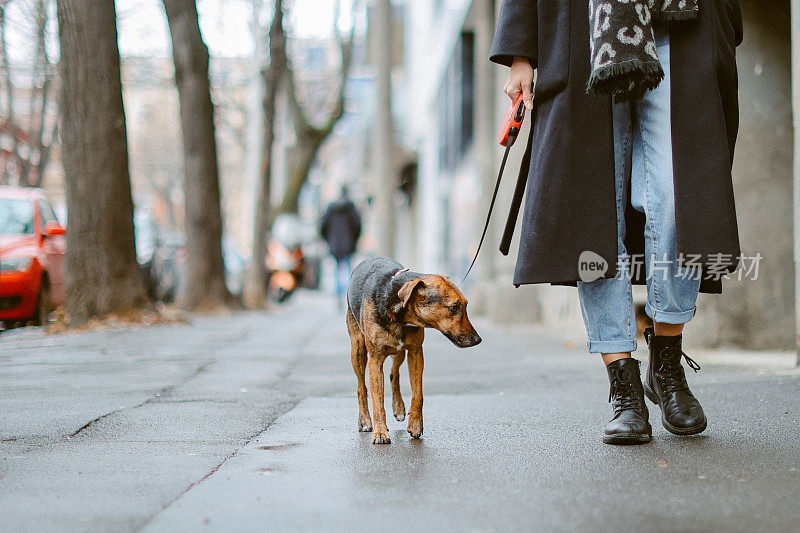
391,315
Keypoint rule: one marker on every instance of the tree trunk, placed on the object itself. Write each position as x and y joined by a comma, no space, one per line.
46,148
8,88
37,95
310,137
255,281
302,157
102,274
309,140
38,138
32,171
204,284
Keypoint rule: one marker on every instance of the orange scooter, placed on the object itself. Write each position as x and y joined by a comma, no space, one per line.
285,269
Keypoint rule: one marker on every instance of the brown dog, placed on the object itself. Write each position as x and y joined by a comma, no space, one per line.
388,309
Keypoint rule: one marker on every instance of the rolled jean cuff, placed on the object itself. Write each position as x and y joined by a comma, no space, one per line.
619,346
669,317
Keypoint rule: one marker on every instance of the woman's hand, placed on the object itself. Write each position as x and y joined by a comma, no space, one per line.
520,80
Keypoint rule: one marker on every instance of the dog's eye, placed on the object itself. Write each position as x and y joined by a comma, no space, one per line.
455,307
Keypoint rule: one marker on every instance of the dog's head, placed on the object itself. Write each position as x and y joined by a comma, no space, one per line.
435,302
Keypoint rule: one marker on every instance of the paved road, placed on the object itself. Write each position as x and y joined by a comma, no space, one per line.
248,422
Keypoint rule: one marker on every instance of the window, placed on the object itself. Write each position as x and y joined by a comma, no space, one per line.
16,217
46,212
457,103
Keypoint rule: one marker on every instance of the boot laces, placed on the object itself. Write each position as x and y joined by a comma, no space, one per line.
623,393
672,376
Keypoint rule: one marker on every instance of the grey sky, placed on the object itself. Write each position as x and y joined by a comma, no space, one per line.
142,25
226,24
226,27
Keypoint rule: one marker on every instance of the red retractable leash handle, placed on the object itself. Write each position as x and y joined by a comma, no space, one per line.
519,192
512,122
509,131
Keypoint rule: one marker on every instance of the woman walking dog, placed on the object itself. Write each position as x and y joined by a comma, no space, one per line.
634,128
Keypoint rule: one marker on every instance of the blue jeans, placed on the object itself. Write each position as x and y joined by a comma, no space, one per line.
643,148
342,276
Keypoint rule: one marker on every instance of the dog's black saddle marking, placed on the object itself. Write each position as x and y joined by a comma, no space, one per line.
378,279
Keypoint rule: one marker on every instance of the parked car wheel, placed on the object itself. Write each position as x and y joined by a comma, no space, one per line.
44,305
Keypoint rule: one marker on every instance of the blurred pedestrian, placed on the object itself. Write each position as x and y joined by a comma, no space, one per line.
341,228
634,129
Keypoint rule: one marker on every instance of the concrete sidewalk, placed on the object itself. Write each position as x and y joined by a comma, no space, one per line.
248,422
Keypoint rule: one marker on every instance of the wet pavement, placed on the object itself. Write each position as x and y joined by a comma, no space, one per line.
248,422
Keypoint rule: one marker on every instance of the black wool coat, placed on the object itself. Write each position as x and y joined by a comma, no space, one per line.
340,227
570,199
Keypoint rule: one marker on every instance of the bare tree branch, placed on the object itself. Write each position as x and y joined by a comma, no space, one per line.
303,154
272,76
32,17
301,121
8,84
38,77
48,71
310,137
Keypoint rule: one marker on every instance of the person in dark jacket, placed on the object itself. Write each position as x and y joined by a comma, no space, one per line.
633,135
341,228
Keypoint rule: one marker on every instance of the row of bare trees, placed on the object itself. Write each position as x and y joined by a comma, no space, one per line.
31,139
102,273
101,264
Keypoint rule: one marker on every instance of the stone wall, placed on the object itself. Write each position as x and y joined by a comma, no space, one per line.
759,314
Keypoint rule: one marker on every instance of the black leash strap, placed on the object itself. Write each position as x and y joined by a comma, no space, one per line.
519,192
491,207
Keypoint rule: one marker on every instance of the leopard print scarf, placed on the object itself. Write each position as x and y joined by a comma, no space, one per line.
623,48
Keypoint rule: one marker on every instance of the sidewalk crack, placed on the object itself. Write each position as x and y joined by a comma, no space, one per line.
288,406
158,397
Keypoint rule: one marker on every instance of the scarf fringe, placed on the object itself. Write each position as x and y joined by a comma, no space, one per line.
631,68
668,16
616,78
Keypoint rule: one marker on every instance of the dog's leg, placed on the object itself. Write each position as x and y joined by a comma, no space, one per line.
415,366
358,355
398,407
380,433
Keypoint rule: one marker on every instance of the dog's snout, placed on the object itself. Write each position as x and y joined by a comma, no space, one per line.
473,340
469,340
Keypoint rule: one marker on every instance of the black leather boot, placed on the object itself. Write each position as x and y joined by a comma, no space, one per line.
629,425
666,385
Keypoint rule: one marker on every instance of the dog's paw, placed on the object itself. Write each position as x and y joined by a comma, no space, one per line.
415,426
381,438
364,427
399,411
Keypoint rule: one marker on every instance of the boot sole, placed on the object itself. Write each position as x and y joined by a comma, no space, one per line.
693,430
632,438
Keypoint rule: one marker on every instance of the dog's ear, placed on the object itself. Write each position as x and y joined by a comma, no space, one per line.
407,290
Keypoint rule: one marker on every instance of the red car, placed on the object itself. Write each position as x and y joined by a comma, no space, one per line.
32,247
